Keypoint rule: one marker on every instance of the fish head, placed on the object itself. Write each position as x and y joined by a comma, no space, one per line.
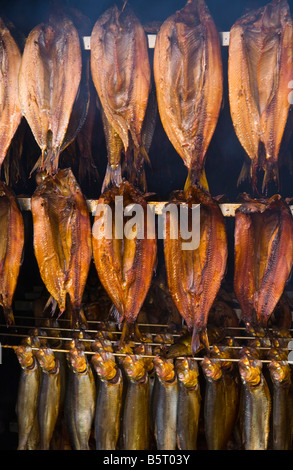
77,360
164,368
46,358
250,370
25,356
187,371
105,365
134,366
103,344
280,371
212,368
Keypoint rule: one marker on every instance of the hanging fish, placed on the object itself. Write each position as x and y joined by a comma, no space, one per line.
123,252
189,82
260,68
49,80
62,239
263,257
255,405
195,275
189,403
122,76
109,401
10,112
11,248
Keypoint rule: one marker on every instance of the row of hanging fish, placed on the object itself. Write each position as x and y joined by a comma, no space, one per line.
62,231
142,400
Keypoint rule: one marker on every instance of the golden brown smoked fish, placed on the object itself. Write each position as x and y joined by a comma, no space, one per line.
260,68
80,399
221,400
124,261
263,257
195,275
189,402
49,395
49,80
165,399
255,405
189,82
109,401
121,73
135,422
10,112
27,397
282,405
62,238
11,248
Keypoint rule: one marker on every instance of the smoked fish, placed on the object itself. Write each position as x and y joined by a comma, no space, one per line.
124,255
122,75
189,403
49,395
10,112
135,418
108,402
49,79
263,257
189,82
62,238
164,404
221,401
260,67
27,396
195,275
282,405
11,248
255,405
80,399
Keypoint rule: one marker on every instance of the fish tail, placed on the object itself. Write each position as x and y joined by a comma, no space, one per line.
271,174
195,341
8,315
193,178
113,176
244,173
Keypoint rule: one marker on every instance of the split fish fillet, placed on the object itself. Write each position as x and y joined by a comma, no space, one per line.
189,82
10,112
11,248
124,257
49,80
62,238
195,275
260,69
263,257
121,74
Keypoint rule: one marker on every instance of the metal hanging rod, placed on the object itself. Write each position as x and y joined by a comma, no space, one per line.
224,40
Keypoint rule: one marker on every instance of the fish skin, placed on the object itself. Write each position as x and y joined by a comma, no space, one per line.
62,238
10,112
263,232
259,69
80,399
125,267
282,404
255,405
49,395
165,400
49,78
194,276
188,74
121,71
109,401
27,397
135,418
189,403
220,403
11,249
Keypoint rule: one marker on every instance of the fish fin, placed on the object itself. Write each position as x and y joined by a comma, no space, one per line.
9,317
244,173
113,176
271,174
37,165
114,313
195,341
145,155
51,301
